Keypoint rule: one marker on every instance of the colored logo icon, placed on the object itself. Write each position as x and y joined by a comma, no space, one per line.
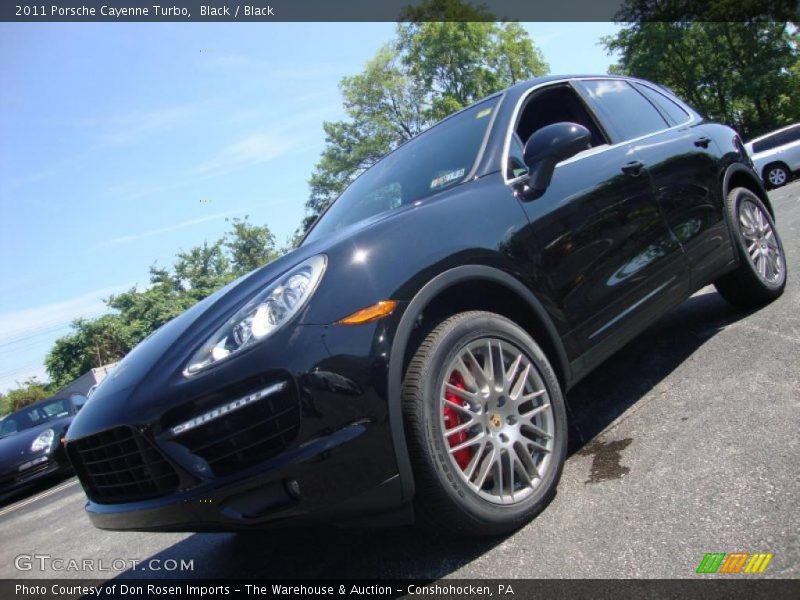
735,562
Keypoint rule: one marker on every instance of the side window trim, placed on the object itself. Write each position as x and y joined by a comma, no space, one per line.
668,97
694,118
667,119
593,114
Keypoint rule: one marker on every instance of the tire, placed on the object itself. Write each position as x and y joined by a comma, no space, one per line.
776,175
761,275
503,423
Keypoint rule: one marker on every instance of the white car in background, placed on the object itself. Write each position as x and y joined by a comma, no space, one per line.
776,155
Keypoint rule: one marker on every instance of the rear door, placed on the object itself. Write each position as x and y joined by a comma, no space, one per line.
684,163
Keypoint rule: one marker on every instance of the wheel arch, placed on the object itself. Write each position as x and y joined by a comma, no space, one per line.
738,175
497,291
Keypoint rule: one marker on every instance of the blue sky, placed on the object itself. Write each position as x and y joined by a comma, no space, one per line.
121,144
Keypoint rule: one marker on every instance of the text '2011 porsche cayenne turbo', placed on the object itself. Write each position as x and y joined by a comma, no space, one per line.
409,359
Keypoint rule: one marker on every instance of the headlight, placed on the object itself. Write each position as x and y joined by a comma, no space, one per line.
266,313
44,441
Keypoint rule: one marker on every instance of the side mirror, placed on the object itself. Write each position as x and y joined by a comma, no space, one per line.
549,146
78,401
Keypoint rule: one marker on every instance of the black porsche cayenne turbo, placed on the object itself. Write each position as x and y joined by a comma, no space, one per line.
409,359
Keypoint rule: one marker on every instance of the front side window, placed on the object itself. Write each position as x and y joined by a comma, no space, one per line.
516,158
627,111
435,160
555,104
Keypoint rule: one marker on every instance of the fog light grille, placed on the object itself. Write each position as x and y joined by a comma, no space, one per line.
248,435
120,465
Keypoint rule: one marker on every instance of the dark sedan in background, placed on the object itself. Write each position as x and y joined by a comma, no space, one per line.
31,442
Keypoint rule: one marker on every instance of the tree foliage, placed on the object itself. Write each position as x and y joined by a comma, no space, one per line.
430,70
195,274
29,392
745,74
708,10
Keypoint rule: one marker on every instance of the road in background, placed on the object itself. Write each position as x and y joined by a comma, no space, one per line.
685,442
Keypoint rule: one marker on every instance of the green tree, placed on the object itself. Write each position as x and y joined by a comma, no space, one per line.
91,343
195,274
744,74
250,246
29,392
431,69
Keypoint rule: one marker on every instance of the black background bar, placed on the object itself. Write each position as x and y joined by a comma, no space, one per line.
393,10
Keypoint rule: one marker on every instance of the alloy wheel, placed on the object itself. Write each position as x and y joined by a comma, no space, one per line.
776,176
762,246
497,420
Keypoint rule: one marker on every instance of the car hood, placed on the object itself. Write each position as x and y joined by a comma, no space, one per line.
15,448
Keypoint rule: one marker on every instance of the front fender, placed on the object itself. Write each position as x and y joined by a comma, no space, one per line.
403,334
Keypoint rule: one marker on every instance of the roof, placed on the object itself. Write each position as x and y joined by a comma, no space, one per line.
524,85
773,132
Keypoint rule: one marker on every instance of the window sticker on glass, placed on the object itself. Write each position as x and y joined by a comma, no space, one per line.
446,178
485,112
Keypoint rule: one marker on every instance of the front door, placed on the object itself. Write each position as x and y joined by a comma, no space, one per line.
604,258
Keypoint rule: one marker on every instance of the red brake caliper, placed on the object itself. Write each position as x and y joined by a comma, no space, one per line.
452,418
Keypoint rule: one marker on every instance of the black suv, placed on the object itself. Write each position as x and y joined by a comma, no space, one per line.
410,357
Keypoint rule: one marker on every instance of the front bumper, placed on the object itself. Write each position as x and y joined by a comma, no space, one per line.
337,463
47,465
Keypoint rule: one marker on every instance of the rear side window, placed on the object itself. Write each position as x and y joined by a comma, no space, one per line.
789,136
628,113
767,143
668,107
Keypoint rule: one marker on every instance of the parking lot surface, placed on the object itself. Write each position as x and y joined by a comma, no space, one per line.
685,442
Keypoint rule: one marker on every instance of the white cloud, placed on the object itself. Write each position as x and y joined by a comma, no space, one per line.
131,127
247,151
545,39
11,379
250,150
21,325
161,230
267,70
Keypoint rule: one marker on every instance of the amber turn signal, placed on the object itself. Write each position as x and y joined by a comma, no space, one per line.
371,313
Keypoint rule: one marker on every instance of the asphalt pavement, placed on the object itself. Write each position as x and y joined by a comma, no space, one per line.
685,442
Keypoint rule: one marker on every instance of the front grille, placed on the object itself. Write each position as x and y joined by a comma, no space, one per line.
248,435
17,476
120,465
33,471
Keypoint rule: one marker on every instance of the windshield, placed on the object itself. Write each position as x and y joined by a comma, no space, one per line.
433,161
32,416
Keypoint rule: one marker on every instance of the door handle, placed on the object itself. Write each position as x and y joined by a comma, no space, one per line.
702,142
633,168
